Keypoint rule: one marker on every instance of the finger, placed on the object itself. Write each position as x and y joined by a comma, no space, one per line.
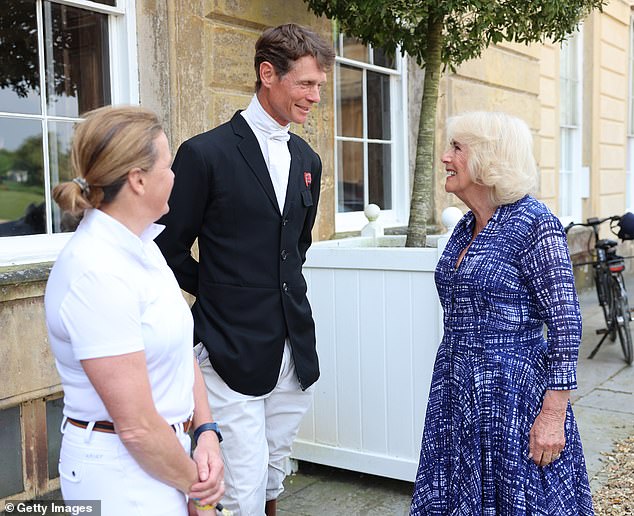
548,458
212,499
544,459
206,491
203,470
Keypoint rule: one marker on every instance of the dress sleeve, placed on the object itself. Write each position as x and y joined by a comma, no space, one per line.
547,271
102,315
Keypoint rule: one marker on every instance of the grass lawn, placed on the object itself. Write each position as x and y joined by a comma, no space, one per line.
13,204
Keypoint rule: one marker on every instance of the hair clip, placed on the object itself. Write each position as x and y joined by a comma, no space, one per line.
83,185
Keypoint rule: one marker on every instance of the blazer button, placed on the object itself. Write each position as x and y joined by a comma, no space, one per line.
284,254
284,221
285,287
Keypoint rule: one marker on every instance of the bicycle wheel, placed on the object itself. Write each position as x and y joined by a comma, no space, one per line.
602,282
622,317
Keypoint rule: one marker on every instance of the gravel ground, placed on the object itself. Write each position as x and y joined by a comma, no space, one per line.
616,497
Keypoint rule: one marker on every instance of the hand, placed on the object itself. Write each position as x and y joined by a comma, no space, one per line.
211,485
547,437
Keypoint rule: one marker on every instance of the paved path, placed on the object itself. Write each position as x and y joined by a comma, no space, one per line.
603,405
604,402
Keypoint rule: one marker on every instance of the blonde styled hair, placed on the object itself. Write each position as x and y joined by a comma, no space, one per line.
500,153
107,144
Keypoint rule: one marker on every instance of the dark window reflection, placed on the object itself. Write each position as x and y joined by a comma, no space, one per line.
76,49
19,67
59,144
54,417
353,48
11,451
378,106
382,58
22,206
350,102
350,176
380,175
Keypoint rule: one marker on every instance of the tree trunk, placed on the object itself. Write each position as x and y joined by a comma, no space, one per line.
422,200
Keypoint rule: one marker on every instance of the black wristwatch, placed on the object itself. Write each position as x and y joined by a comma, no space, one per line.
205,427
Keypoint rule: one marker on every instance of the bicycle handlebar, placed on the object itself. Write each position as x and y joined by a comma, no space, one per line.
592,222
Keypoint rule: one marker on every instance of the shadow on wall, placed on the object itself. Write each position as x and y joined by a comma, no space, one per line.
34,222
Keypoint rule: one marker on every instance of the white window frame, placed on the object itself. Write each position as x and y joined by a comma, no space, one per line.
629,171
575,191
399,166
124,87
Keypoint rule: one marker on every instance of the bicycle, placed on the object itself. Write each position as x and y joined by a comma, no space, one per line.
610,286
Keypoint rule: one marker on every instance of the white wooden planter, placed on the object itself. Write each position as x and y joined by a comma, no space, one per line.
378,323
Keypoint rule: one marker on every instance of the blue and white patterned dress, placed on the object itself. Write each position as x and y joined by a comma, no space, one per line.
493,367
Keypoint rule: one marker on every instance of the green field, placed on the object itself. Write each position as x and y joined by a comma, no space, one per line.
13,201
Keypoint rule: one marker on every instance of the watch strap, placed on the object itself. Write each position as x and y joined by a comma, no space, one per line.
206,427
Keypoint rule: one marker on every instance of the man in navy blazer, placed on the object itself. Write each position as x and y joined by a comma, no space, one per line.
248,190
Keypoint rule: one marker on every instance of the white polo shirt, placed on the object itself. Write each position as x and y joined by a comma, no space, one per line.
111,293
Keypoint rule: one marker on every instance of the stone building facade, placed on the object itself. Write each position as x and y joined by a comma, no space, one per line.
192,63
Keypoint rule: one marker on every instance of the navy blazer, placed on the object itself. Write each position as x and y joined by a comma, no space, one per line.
248,282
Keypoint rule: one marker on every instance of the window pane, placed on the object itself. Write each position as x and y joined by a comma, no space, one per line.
19,68
113,3
630,127
354,49
54,418
59,142
350,176
629,181
349,102
379,175
566,149
381,58
22,206
378,106
77,63
569,82
11,452
563,101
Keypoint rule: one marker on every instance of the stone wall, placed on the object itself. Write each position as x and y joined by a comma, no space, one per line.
195,61
506,78
197,71
30,386
606,143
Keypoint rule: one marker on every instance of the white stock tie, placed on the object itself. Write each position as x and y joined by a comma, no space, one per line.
279,164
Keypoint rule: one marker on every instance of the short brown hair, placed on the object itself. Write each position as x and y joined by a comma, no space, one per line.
107,144
283,45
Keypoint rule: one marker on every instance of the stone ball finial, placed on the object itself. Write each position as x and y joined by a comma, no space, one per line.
372,212
450,217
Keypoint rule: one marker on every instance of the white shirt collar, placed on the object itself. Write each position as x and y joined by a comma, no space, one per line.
261,121
116,233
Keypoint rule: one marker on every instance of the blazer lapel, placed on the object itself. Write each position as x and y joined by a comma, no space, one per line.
252,154
294,176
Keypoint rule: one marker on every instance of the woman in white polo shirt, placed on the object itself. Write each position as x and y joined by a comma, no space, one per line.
122,333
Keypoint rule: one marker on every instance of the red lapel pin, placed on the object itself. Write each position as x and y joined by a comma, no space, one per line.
308,179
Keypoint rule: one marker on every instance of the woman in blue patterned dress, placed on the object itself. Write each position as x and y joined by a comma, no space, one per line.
500,437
